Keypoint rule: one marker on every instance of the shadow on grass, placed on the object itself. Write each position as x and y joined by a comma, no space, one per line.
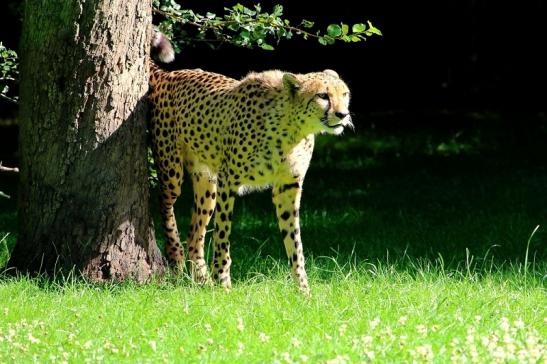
463,196
417,195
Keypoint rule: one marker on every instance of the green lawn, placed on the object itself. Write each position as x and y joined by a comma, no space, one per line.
357,314
420,247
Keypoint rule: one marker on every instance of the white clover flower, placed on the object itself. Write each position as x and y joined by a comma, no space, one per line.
355,343
263,337
522,355
366,340
504,324
295,342
207,327
240,324
424,352
402,320
531,341
286,357
473,352
499,354
374,323
402,341
304,358
32,339
421,329
519,324
342,329
340,359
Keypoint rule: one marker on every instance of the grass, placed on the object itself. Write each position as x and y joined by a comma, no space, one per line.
357,314
420,247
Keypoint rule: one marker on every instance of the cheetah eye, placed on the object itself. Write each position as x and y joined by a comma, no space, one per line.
323,95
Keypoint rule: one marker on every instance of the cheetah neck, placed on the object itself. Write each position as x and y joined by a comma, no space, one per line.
289,130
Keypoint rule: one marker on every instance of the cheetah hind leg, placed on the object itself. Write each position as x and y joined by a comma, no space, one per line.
204,206
170,188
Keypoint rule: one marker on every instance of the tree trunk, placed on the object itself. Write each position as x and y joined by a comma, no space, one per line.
84,191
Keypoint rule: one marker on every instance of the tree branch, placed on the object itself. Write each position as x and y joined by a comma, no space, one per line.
9,99
205,26
9,169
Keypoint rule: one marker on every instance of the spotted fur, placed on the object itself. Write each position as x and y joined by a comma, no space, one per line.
234,136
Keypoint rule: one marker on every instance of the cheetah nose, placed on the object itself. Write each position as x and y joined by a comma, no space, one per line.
341,115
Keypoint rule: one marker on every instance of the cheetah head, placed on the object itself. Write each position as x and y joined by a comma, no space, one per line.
322,99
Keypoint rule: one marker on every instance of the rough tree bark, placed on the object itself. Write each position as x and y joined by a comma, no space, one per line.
84,191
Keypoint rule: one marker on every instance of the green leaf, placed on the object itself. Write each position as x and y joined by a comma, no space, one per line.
345,29
266,47
358,28
323,41
373,29
307,24
346,38
334,30
248,11
278,10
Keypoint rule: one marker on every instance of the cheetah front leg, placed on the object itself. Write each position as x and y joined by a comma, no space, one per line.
223,225
204,205
286,198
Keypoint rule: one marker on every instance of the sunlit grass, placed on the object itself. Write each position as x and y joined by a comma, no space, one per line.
417,251
357,313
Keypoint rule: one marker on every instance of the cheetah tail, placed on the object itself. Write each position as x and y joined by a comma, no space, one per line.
162,49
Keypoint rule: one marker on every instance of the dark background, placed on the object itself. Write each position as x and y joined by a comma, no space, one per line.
433,55
449,145
436,57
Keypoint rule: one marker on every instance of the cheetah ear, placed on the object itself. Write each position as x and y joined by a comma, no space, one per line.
331,72
291,83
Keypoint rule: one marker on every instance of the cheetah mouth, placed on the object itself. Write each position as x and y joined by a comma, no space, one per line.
336,129
325,122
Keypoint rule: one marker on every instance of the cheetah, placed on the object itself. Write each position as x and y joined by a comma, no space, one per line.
234,136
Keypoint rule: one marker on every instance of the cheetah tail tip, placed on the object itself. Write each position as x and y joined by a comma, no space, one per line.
162,49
